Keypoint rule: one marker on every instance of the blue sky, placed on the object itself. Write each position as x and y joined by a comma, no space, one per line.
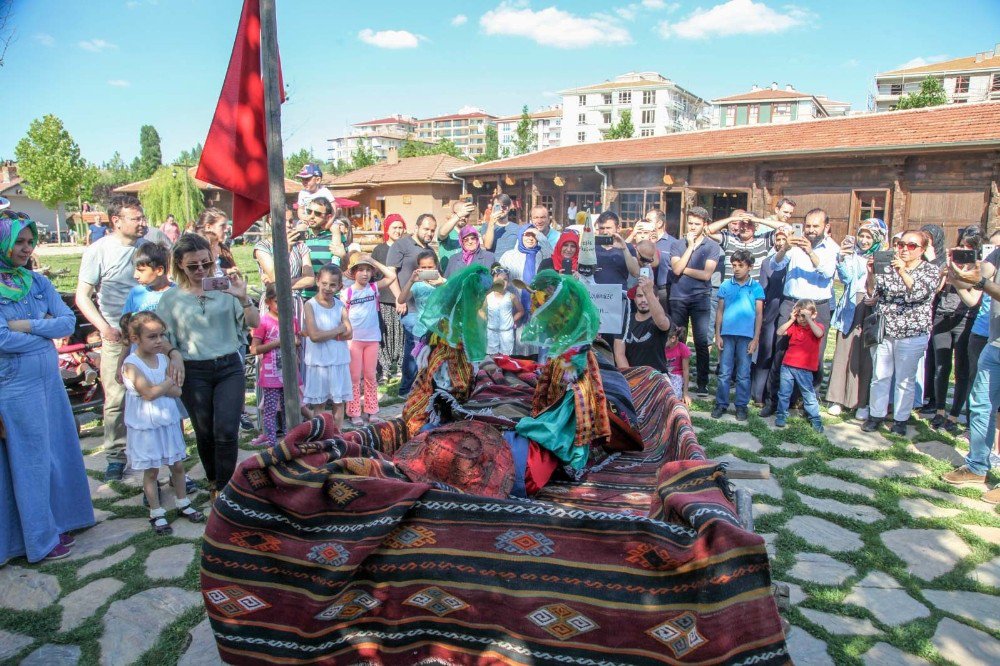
107,67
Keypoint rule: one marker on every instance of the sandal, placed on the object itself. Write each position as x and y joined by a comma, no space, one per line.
161,526
192,514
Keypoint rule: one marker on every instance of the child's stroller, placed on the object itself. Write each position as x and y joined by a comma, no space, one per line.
79,364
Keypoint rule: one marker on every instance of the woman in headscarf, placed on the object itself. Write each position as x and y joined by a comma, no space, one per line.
522,263
44,493
472,252
852,362
390,352
567,249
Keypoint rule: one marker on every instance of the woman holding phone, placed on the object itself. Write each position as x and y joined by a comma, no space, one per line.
208,328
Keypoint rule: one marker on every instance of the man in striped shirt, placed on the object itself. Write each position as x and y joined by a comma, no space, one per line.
324,247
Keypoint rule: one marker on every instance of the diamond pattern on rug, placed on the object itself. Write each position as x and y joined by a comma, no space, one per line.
651,557
234,601
679,633
350,605
410,537
521,542
257,541
562,621
342,493
436,601
330,554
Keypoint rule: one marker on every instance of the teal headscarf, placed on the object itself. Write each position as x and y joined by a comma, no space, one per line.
878,230
15,281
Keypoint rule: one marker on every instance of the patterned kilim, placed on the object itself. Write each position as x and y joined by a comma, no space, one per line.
318,552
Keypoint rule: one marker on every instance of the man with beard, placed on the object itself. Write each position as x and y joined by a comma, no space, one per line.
324,247
645,336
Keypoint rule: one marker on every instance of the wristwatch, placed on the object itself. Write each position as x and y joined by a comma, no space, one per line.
981,284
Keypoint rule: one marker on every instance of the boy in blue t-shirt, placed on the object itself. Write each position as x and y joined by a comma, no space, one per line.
737,332
150,261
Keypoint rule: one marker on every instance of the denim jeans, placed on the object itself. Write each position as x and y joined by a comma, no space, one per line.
409,363
734,353
790,378
697,311
984,399
214,394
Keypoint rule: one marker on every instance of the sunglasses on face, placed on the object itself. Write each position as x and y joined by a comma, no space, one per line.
909,246
205,265
315,212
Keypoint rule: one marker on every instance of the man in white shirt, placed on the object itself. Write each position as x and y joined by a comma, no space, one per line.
571,211
812,262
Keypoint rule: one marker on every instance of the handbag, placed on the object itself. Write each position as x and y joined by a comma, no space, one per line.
873,329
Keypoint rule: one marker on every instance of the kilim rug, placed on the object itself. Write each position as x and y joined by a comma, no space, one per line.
322,552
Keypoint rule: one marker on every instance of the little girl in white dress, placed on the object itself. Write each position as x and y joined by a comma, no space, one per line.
152,418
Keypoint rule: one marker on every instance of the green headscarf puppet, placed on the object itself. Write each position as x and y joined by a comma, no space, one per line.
454,311
567,317
15,281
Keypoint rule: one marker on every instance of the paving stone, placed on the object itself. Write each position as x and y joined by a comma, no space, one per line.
921,508
769,540
794,447
766,509
740,440
967,502
99,538
27,589
95,462
781,463
824,482
79,605
53,655
850,437
981,608
11,643
100,515
167,500
964,645
91,443
988,534
824,534
874,470
170,562
861,512
769,487
202,651
197,473
99,489
938,451
927,553
884,597
795,593
821,568
839,624
883,654
738,468
728,417
103,563
133,625
807,650
185,529
987,573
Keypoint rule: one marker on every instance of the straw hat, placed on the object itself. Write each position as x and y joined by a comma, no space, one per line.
357,259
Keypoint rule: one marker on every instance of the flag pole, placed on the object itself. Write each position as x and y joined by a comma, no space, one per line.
279,242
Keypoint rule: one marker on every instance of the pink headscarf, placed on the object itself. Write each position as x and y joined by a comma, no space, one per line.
466,231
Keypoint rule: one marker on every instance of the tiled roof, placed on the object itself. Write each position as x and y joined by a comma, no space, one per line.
387,121
764,95
548,113
456,116
429,168
10,184
956,65
954,125
291,186
615,85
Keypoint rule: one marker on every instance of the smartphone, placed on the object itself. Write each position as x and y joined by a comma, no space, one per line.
567,266
797,229
215,284
465,198
963,256
988,250
497,208
427,276
851,240
883,259
604,240
646,272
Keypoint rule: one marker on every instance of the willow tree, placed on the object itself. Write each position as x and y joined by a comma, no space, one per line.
172,191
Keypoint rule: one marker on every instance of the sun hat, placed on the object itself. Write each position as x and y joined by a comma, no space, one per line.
357,259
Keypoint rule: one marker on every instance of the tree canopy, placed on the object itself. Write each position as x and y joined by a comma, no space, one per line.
492,151
190,157
624,129
412,148
362,157
931,94
524,134
49,161
172,191
297,160
150,157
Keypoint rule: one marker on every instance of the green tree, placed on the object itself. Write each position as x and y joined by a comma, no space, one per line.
412,148
172,191
150,157
931,94
190,157
295,162
492,151
337,168
362,157
624,129
524,134
49,161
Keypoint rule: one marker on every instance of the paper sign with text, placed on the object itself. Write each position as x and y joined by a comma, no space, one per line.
608,299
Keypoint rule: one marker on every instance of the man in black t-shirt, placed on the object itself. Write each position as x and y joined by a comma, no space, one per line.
645,339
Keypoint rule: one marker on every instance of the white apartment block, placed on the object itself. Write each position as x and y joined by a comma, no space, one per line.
377,136
465,130
773,106
546,125
971,79
658,106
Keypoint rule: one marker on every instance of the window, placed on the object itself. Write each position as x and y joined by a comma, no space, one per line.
868,204
606,98
625,97
896,89
581,119
581,137
960,100
730,112
782,111
606,117
581,100
630,207
754,114
649,116
646,131
995,83
961,84
549,202
649,97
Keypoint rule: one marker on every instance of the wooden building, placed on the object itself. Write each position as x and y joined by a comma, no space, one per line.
939,165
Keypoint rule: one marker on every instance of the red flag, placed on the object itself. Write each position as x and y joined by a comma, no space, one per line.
235,153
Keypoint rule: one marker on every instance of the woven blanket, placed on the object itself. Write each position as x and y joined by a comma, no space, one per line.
320,551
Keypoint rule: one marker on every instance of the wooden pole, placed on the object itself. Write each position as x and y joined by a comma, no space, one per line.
279,242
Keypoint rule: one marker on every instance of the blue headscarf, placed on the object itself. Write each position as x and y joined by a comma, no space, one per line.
530,265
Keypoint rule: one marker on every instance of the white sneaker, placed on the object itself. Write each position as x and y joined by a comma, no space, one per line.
861,414
834,410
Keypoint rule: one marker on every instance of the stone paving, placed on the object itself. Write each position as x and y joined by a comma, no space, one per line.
885,564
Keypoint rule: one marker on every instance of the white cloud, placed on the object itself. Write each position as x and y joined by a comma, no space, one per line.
389,39
553,27
654,4
460,19
119,83
735,17
96,45
45,39
630,11
920,62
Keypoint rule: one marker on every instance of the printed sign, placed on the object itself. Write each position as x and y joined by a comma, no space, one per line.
609,301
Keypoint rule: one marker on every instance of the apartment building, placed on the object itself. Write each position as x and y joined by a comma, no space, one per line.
766,106
377,136
465,130
975,78
546,126
658,105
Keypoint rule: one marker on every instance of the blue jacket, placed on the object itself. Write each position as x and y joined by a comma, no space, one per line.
852,269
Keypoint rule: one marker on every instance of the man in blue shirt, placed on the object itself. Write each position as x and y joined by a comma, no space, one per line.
737,332
665,245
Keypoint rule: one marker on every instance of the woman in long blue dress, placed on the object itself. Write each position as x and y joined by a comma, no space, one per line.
44,493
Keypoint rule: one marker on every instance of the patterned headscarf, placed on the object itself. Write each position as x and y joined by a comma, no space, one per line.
878,230
15,282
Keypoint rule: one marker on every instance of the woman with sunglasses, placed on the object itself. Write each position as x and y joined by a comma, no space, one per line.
208,328
902,294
